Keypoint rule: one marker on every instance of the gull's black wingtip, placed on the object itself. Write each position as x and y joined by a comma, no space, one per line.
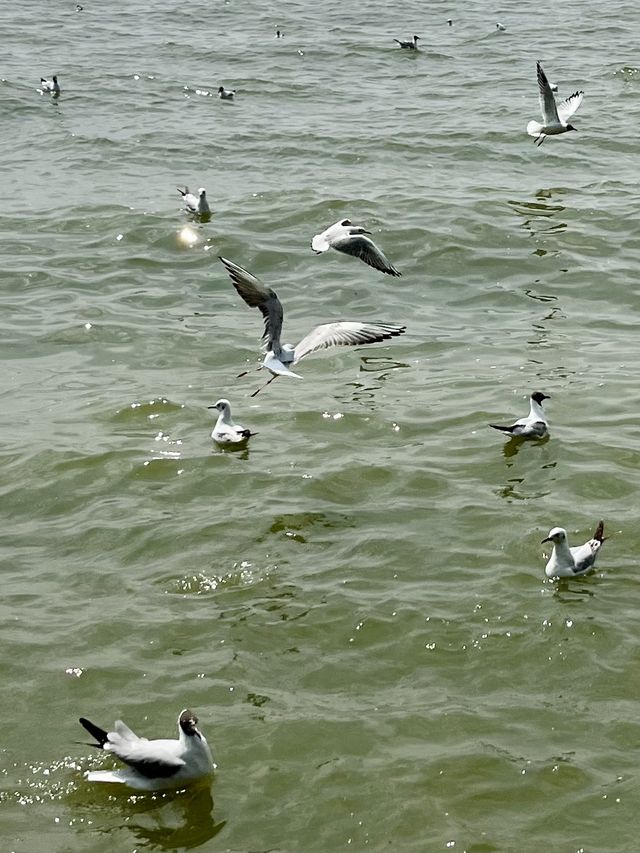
95,731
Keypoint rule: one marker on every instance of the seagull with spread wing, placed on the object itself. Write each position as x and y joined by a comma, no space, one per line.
555,117
352,240
281,357
153,765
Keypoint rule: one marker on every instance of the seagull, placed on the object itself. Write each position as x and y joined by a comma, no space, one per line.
535,425
226,94
501,27
408,45
555,117
279,34
225,431
195,204
450,22
51,86
351,240
153,764
566,562
281,356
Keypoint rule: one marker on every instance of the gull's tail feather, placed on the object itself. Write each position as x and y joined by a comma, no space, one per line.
508,429
105,776
534,128
599,534
99,734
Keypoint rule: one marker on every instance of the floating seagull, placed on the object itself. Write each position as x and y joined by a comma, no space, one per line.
566,562
226,94
351,240
450,22
555,117
51,86
280,356
501,27
153,764
225,431
535,425
408,45
279,34
195,204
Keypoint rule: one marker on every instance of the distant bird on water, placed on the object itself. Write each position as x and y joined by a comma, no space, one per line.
226,432
52,86
535,425
195,204
500,27
408,45
226,94
153,765
279,34
352,240
555,117
450,22
281,357
566,562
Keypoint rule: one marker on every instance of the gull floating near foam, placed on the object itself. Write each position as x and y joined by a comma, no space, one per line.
153,764
555,117
281,356
52,86
566,562
352,240
535,425
226,432
408,45
195,204
226,94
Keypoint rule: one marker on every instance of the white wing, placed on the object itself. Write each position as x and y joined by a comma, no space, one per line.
568,107
345,333
547,101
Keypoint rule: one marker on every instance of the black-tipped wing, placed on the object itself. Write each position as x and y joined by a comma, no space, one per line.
568,107
508,429
95,731
345,333
362,247
547,101
149,760
599,534
256,295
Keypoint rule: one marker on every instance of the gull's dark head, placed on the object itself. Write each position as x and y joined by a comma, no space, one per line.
416,38
221,90
188,722
538,397
55,79
345,222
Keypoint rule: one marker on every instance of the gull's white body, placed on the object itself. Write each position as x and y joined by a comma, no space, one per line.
226,432
408,45
535,425
152,765
555,117
52,86
566,562
352,240
195,203
280,356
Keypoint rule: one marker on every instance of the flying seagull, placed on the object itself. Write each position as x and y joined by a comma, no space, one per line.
226,432
352,240
408,45
535,425
280,357
555,117
51,86
566,562
195,204
153,764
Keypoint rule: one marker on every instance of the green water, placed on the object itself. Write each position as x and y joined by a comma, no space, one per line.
356,605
